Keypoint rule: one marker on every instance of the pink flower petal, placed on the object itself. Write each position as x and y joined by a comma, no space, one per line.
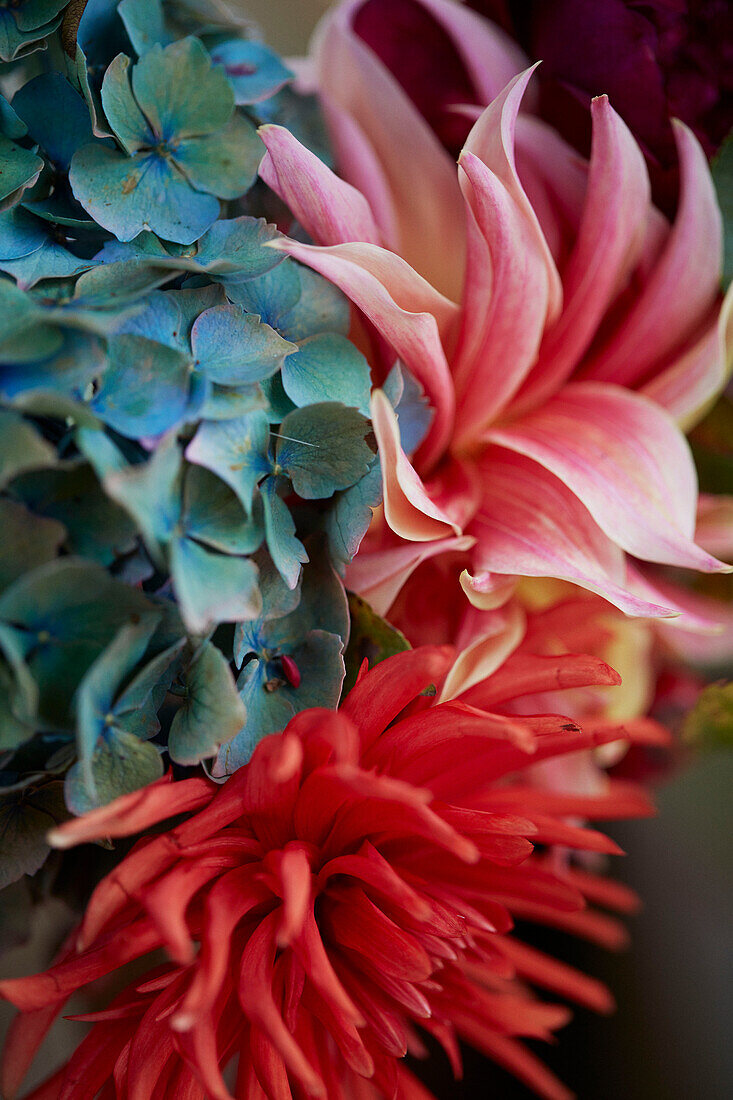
513,322
403,307
681,289
329,209
420,174
379,575
687,387
408,509
531,524
627,462
492,141
607,248
483,656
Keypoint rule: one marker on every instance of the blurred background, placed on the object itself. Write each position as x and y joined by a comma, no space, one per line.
670,1039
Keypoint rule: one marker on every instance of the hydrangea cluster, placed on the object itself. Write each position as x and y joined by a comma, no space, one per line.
186,460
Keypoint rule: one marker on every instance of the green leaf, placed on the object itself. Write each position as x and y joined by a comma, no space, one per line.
151,493
712,446
372,639
212,711
323,448
25,818
709,725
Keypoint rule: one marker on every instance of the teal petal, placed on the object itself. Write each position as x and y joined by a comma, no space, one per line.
234,348
213,514
145,389
26,541
323,448
223,164
327,368
120,765
254,72
212,711
127,195
286,551
180,93
236,450
211,587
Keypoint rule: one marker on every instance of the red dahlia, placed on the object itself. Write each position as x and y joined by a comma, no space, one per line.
353,885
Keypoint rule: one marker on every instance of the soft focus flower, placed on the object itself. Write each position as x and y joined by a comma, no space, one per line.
656,61
354,882
561,328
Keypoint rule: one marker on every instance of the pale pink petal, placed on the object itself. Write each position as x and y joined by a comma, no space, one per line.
532,525
329,209
687,387
420,174
379,575
408,509
681,289
492,141
403,312
626,460
514,319
607,248
481,657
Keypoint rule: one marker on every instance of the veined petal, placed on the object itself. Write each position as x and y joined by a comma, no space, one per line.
515,318
607,247
683,285
492,141
531,524
328,208
410,328
420,174
628,463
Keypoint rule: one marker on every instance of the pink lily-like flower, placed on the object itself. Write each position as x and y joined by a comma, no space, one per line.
563,331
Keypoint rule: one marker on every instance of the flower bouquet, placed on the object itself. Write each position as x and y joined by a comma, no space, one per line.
353,559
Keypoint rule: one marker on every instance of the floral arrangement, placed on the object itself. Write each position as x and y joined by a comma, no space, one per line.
353,547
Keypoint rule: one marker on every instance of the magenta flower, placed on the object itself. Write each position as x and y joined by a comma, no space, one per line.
561,328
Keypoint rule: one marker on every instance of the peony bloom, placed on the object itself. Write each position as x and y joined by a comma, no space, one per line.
354,884
562,329
656,61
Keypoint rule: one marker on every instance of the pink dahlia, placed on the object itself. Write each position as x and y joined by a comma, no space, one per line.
563,331
352,886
